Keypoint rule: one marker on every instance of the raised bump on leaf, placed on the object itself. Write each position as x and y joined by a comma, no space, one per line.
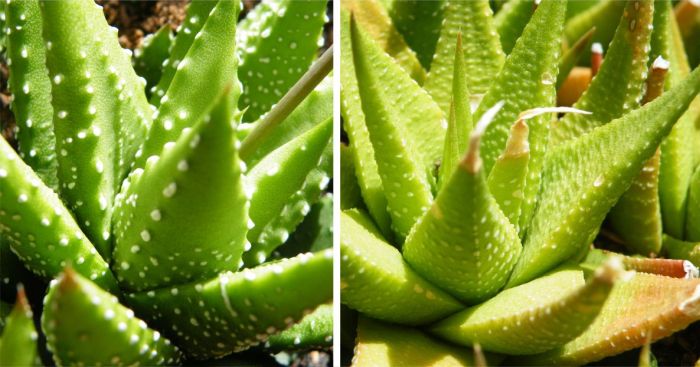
506,181
645,304
619,86
84,324
385,345
419,22
184,216
579,187
277,41
376,281
677,249
314,331
406,134
534,317
460,117
570,58
526,81
511,20
692,225
205,69
101,114
464,243
482,58
282,173
31,88
241,309
374,20
354,124
604,15
19,337
40,229
149,58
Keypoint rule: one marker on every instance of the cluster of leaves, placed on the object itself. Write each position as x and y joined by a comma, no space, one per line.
471,199
170,216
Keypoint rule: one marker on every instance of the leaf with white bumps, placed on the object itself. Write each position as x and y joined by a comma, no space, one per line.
86,325
40,229
19,337
376,280
31,88
184,216
314,331
149,58
101,114
277,41
235,311
419,22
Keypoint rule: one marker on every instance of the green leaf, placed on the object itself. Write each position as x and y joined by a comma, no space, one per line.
31,88
19,337
579,188
692,225
195,184
374,20
354,124
315,233
419,22
571,57
350,192
482,54
604,16
677,249
243,309
376,281
149,59
84,324
464,244
314,331
619,85
203,70
384,345
666,267
534,317
636,308
101,114
511,20
277,41
40,229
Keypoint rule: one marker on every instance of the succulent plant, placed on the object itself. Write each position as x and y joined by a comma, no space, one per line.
475,207
170,216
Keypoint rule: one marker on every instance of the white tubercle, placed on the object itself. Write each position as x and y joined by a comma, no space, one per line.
661,63
597,48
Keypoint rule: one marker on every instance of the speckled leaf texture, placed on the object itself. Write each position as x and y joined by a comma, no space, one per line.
31,88
511,20
100,111
526,81
645,304
314,331
384,345
235,311
464,244
18,346
533,317
604,16
419,22
149,58
277,40
483,57
579,188
376,280
354,124
40,229
194,185
86,325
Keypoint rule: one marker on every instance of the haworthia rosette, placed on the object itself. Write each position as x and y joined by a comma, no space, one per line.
149,58
419,22
579,188
374,20
483,57
314,331
645,306
207,67
40,229
384,345
86,325
534,317
354,124
376,281
31,88
101,114
277,41
19,337
464,244
282,173
235,311
195,185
